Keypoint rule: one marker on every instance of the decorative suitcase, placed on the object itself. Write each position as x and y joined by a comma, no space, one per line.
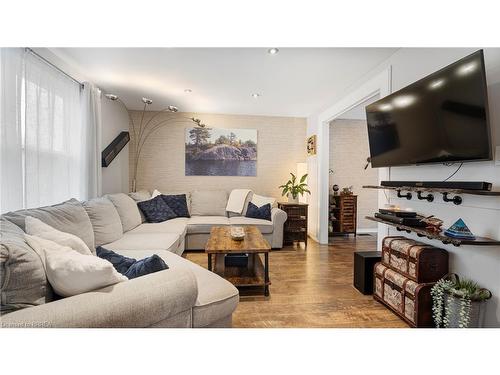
415,260
412,302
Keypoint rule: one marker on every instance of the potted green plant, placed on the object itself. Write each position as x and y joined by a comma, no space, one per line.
292,189
458,303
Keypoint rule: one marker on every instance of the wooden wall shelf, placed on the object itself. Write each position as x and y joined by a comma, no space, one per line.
422,232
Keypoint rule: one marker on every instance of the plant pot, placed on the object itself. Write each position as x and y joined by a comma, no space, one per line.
292,199
476,312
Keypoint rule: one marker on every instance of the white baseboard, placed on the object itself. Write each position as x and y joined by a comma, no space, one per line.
367,230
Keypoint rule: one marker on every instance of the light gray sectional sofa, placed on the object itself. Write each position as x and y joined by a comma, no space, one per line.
185,295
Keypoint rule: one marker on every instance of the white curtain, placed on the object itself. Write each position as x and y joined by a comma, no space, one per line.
56,130
92,118
11,131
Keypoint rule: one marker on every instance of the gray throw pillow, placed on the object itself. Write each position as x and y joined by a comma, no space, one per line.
105,220
69,217
22,274
127,209
208,202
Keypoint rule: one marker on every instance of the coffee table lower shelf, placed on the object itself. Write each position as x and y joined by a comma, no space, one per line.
256,274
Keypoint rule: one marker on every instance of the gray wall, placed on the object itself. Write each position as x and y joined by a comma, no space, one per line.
114,120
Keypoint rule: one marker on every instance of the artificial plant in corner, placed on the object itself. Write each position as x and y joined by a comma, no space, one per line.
455,302
292,189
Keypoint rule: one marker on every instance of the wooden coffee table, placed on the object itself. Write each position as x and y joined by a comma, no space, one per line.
221,244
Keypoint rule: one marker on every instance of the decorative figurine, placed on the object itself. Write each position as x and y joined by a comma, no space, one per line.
335,189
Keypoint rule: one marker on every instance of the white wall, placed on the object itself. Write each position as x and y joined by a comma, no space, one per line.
114,120
481,214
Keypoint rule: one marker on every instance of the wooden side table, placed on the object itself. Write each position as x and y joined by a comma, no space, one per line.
296,224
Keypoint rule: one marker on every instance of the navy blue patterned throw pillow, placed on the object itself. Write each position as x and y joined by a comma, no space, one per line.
121,263
146,266
263,212
178,203
130,267
156,210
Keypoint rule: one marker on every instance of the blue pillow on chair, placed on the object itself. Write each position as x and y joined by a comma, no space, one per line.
178,203
156,210
130,267
263,212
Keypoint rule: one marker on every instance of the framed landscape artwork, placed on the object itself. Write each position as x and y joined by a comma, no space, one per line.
221,152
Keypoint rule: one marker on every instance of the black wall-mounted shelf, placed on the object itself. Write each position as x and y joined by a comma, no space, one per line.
114,148
428,196
422,232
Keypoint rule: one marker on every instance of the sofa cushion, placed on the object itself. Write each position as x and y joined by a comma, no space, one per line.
156,210
69,217
145,241
177,225
178,203
203,224
71,273
105,220
22,277
208,202
263,212
127,210
265,226
139,196
38,228
217,298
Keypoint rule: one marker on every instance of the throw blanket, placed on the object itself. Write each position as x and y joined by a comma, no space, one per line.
236,201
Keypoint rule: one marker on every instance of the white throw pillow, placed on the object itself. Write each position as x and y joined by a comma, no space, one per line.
259,200
71,273
38,228
155,193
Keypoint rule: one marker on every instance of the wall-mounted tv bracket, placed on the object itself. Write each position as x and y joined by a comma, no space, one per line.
429,197
407,195
456,199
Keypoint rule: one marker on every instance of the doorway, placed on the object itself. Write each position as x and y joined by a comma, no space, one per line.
378,85
349,169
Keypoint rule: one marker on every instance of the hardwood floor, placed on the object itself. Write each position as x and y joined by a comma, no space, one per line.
312,288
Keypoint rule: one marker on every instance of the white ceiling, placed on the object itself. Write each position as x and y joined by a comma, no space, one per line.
294,82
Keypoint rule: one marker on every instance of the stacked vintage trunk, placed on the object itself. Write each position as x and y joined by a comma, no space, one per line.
404,278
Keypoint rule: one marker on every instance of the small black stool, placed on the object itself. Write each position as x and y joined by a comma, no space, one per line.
364,261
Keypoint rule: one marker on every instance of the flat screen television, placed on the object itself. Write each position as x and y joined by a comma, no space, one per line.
443,118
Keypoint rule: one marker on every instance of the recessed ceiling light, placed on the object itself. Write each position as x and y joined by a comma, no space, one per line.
255,95
273,51
188,91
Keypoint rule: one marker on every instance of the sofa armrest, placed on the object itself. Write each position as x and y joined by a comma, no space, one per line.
278,218
139,302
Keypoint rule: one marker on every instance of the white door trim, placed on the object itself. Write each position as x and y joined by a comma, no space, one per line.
381,85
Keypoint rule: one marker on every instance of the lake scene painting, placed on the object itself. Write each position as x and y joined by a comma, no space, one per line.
221,152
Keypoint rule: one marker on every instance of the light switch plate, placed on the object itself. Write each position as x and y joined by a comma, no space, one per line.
497,156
